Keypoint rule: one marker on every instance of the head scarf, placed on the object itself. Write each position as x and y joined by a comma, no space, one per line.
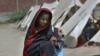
31,34
31,31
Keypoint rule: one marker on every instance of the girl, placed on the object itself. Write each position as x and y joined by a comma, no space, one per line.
40,39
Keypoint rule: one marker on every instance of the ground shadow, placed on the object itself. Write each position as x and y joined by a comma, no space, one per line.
97,55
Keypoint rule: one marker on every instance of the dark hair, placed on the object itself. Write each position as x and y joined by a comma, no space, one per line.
43,13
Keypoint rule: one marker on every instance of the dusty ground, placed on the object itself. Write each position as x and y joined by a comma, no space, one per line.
11,43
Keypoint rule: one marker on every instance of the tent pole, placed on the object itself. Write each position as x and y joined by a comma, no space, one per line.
36,2
17,5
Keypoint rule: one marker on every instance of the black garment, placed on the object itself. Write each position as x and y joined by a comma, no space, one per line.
42,44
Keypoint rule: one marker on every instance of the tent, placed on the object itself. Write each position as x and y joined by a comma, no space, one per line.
82,12
59,10
77,22
25,18
76,32
28,18
75,4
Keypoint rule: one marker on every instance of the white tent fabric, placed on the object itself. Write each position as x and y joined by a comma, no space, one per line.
71,40
62,6
98,1
25,18
74,2
78,3
80,14
79,27
96,37
50,6
73,36
59,22
26,22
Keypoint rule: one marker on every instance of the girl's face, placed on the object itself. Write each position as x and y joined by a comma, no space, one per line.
43,20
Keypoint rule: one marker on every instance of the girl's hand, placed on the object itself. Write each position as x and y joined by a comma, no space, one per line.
53,40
